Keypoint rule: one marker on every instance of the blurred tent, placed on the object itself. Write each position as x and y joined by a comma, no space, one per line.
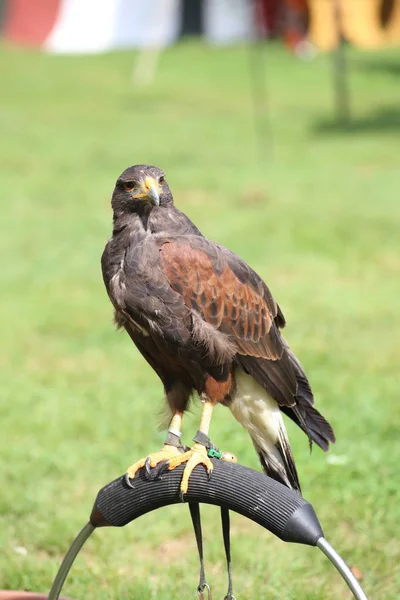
89,26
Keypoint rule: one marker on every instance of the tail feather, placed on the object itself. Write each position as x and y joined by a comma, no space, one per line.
285,381
264,389
320,430
304,414
304,388
312,423
277,461
260,415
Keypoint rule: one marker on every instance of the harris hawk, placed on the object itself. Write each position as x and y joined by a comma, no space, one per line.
207,324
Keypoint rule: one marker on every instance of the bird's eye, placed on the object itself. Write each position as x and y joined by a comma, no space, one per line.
129,185
161,180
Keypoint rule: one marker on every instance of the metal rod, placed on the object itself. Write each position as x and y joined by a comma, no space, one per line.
341,85
259,90
194,508
68,561
343,568
225,518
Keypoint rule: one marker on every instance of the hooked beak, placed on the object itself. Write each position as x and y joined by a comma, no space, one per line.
151,190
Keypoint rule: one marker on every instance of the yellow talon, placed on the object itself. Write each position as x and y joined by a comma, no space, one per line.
167,453
195,456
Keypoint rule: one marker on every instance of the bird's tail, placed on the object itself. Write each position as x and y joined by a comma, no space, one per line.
304,414
254,408
277,459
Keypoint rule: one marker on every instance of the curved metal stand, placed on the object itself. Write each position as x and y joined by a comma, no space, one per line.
343,568
263,500
69,559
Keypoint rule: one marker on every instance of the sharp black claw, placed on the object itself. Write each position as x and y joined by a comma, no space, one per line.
128,481
147,465
153,473
161,468
150,473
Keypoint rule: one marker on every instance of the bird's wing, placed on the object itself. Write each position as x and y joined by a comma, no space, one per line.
230,296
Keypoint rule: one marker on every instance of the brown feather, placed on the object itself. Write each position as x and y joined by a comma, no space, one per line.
233,305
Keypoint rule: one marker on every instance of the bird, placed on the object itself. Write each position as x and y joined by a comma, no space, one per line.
208,325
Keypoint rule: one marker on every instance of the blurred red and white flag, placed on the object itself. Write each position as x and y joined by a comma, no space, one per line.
91,26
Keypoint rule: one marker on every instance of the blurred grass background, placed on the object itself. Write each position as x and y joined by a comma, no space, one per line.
319,220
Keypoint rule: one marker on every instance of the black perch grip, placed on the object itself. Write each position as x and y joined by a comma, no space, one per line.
258,497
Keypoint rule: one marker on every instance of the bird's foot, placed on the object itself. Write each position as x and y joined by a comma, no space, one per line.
197,455
166,455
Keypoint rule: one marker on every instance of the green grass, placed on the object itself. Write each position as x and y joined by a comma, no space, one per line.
319,220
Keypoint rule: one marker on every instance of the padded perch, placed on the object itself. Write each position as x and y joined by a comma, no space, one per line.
262,499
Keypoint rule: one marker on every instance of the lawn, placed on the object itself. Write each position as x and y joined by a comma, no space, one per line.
318,218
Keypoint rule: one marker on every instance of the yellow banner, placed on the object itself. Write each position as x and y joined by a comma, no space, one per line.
360,23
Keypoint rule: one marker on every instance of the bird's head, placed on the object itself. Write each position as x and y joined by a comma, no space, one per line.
140,189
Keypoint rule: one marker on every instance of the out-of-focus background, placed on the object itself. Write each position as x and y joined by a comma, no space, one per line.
278,126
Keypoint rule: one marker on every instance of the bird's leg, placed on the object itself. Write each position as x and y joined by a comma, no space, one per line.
172,448
198,454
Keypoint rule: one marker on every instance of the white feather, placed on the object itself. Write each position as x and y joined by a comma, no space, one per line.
260,415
